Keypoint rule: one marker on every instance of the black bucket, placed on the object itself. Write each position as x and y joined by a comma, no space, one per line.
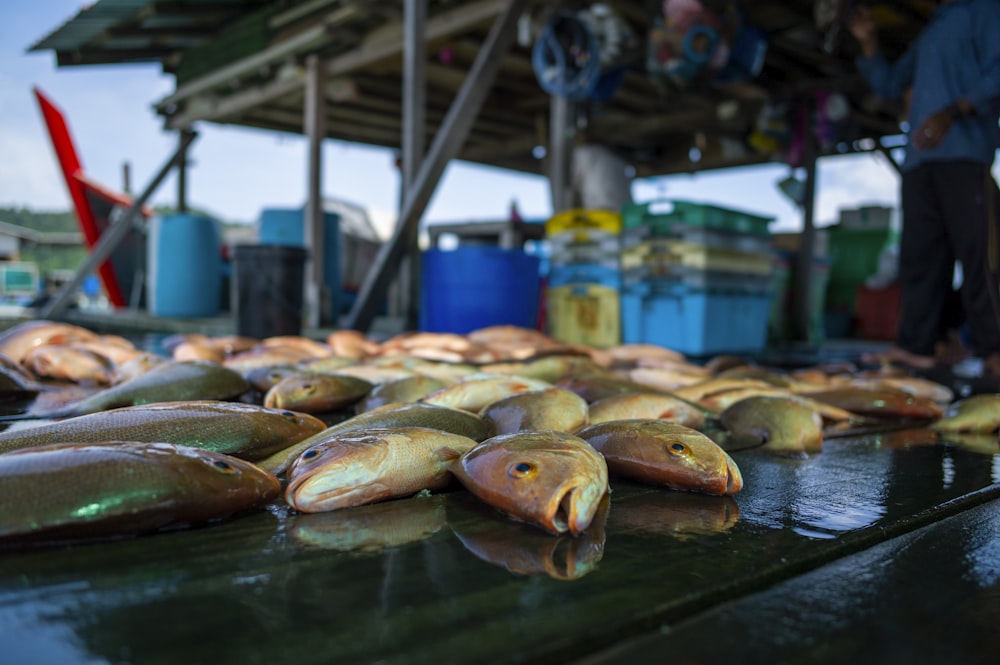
268,281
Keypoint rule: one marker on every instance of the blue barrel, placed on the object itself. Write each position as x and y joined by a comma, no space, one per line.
286,227
477,286
184,258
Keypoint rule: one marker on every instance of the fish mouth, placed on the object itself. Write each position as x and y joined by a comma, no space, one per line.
568,511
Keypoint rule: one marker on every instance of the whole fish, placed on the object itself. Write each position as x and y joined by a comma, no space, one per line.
550,409
351,344
475,393
67,362
242,430
653,406
198,351
372,527
521,548
316,393
667,454
264,378
170,382
407,414
778,424
721,401
15,342
409,389
882,402
366,466
978,413
547,368
551,479
594,387
264,356
664,379
299,343
121,488
138,365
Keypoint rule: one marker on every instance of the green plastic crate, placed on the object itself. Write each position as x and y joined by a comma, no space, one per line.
661,216
854,257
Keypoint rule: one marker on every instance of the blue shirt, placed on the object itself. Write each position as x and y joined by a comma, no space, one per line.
956,56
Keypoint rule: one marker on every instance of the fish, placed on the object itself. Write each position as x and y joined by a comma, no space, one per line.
374,374
880,403
681,515
978,413
247,431
66,362
553,480
327,364
777,424
547,368
299,343
521,548
101,489
974,442
136,366
658,378
389,416
655,406
913,385
366,466
316,393
198,351
351,344
721,401
264,378
475,393
264,356
661,453
550,409
372,527
409,389
171,382
15,342
596,387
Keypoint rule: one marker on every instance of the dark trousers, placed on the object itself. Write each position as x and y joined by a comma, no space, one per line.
950,212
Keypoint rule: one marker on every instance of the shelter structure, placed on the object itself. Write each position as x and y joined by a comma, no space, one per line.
462,79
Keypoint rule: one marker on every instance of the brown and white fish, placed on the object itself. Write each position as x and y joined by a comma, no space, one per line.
372,465
778,424
15,342
299,343
663,453
66,362
477,391
654,406
554,480
978,413
316,393
550,409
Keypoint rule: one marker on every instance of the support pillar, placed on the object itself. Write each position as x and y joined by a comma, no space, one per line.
414,128
560,112
317,301
447,142
802,293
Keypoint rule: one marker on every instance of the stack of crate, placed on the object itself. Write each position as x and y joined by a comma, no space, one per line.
696,278
584,281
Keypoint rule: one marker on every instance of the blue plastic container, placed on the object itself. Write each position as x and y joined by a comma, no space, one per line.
286,227
184,258
477,286
696,322
585,273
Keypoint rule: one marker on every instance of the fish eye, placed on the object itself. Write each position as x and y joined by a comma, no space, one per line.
222,466
678,448
521,470
309,454
290,416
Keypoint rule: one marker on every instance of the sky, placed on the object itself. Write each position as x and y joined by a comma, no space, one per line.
237,172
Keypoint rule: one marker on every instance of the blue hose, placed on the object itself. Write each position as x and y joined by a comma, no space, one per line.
570,71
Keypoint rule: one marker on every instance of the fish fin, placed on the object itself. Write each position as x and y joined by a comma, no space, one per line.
445,454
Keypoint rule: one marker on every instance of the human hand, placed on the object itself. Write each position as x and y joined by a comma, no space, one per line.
932,130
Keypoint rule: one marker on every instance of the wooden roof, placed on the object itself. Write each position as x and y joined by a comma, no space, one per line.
242,64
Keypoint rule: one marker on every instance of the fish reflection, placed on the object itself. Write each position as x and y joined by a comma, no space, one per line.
975,442
682,515
908,438
373,527
521,548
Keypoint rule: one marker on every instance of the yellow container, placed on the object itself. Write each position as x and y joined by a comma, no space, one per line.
587,314
663,253
583,225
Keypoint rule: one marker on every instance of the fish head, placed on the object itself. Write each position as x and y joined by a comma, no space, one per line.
665,453
339,472
235,482
551,479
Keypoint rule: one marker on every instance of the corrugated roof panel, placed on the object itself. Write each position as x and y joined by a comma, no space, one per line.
90,22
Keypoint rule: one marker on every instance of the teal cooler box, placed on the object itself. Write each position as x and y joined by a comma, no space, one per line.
286,227
184,257
695,321
473,287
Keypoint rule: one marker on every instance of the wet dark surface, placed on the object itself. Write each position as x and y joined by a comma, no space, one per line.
815,547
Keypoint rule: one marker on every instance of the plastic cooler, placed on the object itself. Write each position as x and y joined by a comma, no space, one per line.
184,257
477,286
585,313
695,321
268,286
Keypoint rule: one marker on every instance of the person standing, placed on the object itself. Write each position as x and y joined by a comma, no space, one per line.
950,201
